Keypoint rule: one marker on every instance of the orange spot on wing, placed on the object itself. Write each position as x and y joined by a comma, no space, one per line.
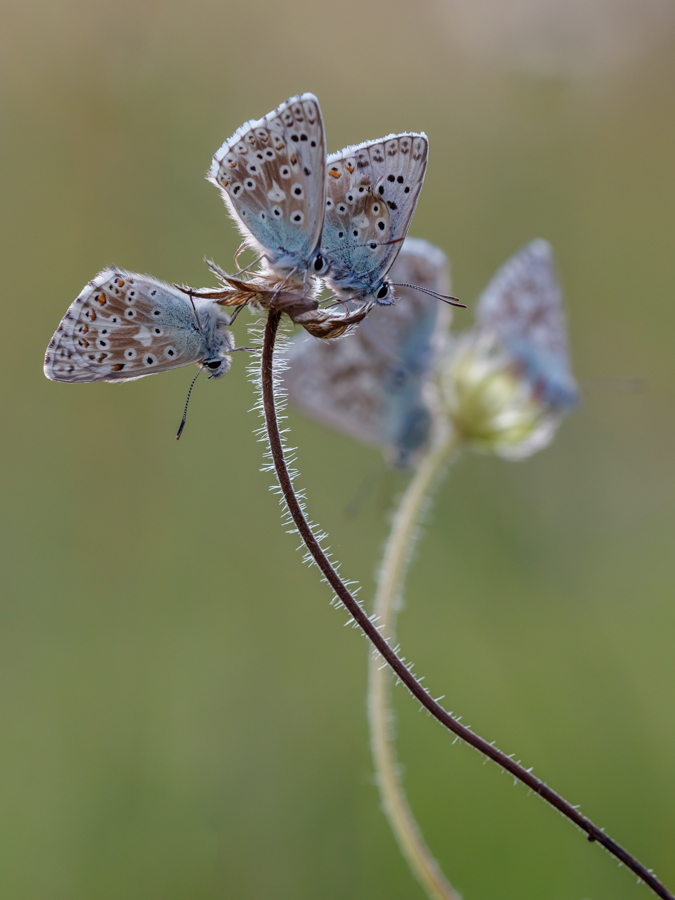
118,367
334,173
350,168
101,299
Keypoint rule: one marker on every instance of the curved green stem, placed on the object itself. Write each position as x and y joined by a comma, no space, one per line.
387,603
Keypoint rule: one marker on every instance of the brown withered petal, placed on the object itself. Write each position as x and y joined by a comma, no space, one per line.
323,324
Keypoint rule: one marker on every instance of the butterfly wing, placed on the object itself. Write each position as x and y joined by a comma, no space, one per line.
372,192
372,384
124,326
271,174
522,307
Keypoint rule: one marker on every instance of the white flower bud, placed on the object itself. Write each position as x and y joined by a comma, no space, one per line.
493,408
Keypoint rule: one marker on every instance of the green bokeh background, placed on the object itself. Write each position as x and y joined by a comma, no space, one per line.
183,714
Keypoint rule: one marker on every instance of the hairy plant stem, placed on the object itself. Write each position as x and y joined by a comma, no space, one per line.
392,659
387,603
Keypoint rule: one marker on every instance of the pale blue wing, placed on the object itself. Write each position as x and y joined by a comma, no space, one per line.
271,174
372,192
522,306
125,326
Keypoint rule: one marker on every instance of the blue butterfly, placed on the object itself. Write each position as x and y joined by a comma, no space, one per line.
522,308
272,176
124,326
372,192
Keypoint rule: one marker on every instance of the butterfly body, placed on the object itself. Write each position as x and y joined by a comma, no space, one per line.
124,326
373,385
522,307
372,191
271,174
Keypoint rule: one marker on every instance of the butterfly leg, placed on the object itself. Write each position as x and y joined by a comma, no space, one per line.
241,249
231,319
280,287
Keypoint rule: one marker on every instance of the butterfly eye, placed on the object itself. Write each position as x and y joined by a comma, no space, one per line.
383,292
215,364
319,263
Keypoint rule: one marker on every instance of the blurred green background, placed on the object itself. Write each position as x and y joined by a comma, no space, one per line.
183,714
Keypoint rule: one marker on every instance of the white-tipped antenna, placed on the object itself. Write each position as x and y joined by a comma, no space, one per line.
182,424
446,298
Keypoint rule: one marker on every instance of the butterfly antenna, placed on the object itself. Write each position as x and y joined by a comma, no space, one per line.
446,298
182,424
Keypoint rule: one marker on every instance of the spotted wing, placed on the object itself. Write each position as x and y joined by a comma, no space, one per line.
372,192
271,173
373,384
124,326
522,306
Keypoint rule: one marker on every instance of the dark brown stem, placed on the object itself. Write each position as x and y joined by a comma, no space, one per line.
380,644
